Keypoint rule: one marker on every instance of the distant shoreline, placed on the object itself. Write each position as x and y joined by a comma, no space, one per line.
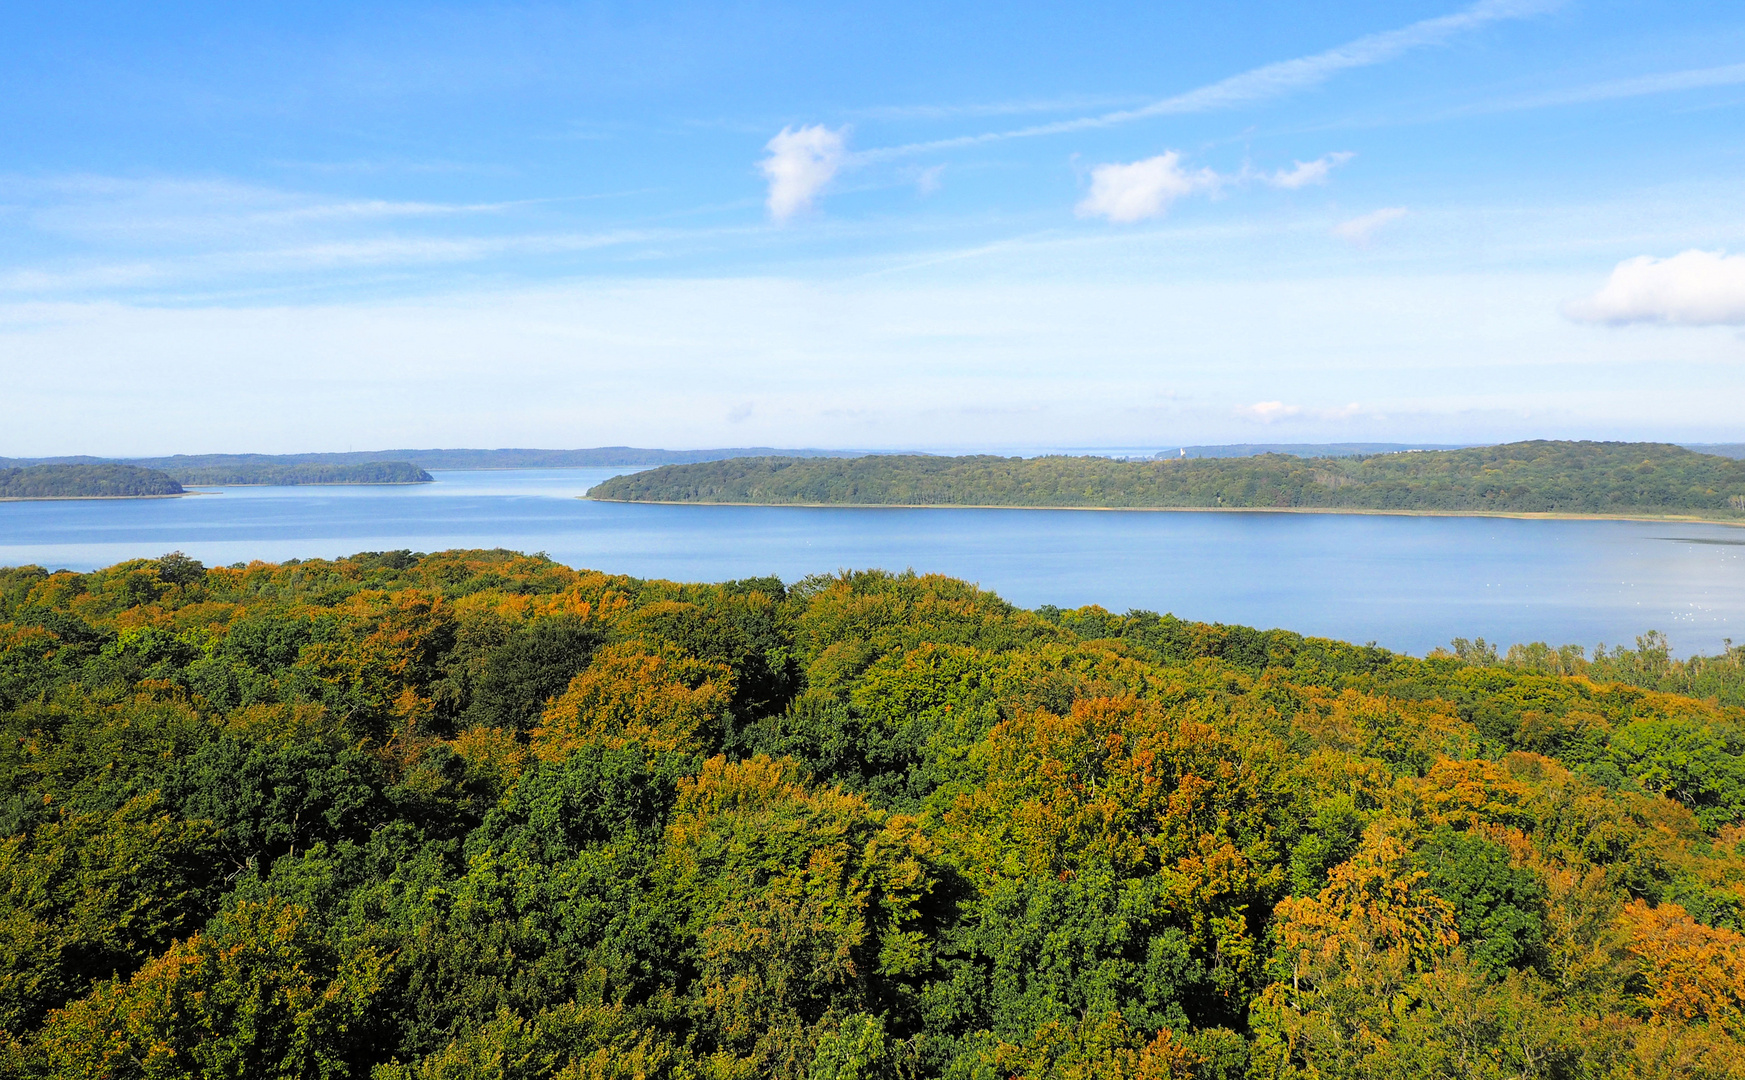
88,498
1550,515
1539,478
204,489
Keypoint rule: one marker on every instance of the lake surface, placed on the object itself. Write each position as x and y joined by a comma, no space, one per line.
1408,583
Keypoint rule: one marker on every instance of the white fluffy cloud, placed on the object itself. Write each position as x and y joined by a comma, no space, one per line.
1305,173
1268,411
1144,189
801,162
1359,229
1692,288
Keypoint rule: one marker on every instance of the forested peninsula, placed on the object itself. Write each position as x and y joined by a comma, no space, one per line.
1540,477
107,481
247,473
474,813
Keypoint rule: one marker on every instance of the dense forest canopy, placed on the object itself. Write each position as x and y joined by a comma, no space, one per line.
1301,449
1529,477
478,814
85,482
266,473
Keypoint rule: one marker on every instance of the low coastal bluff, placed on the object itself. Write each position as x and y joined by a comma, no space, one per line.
86,482
1540,477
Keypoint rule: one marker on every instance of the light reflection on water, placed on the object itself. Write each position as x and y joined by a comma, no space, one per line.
1408,583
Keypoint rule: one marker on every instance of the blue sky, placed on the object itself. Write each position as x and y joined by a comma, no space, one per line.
301,227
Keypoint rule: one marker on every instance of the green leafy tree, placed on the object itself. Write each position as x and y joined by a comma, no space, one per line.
1500,907
85,897
259,994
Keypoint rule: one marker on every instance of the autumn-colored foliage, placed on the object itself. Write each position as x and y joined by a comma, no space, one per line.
662,700
476,814
1690,971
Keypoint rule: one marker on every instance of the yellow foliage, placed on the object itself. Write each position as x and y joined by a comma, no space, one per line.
660,700
256,997
1375,908
492,752
1694,972
282,722
27,639
1467,793
811,893
573,1041
1099,1047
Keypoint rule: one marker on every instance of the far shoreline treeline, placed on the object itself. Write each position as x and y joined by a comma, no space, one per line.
450,459
86,482
111,480
1541,477
465,460
250,475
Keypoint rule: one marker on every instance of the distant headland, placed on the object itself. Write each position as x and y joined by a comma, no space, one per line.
105,481
124,480
1589,479
1358,477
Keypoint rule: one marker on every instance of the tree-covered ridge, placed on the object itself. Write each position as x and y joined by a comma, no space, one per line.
1529,477
477,814
269,473
108,479
84,482
508,458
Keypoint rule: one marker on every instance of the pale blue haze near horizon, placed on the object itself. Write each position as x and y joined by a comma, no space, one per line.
274,228
1408,583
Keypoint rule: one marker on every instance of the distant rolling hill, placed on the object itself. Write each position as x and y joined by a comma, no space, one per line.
277,474
1732,450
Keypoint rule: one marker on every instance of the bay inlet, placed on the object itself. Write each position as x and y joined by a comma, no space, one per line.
1407,583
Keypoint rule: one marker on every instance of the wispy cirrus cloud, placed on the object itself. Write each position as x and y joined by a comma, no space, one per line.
278,262
187,211
802,161
1263,83
390,166
1360,230
1666,82
1304,173
994,108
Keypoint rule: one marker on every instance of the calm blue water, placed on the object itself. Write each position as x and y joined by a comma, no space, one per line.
1406,583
